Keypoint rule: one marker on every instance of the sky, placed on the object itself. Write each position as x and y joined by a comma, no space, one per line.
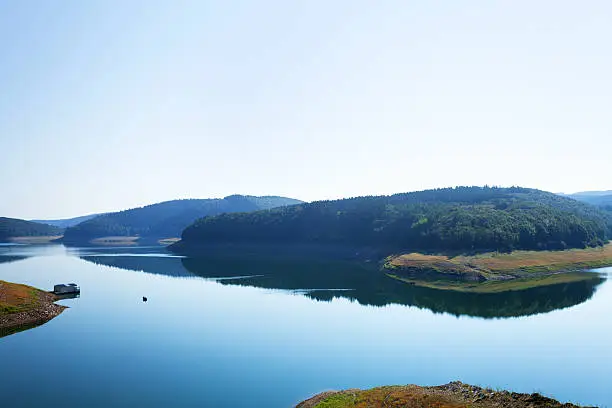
112,104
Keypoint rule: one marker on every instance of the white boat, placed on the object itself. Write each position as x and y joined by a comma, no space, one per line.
64,289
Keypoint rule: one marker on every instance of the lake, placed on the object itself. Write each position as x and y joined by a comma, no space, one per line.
238,331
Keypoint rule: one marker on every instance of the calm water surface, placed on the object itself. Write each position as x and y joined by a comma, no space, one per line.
237,332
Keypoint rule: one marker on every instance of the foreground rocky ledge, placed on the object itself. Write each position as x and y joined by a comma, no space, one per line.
23,307
453,395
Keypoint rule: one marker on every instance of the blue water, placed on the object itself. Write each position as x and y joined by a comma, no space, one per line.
238,334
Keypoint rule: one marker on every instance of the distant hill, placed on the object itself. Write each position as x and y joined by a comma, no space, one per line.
450,219
591,193
12,227
67,222
600,198
167,219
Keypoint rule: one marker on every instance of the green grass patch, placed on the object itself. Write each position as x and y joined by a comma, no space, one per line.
341,400
8,309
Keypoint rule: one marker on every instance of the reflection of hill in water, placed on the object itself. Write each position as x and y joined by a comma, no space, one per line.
11,253
150,264
325,279
11,258
368,286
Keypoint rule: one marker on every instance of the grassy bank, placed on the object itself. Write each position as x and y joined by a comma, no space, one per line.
126,241
452,395
119,241
35,240
23,307
496,272
168,241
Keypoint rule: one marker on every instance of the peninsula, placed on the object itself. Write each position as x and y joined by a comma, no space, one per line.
23,307
497,272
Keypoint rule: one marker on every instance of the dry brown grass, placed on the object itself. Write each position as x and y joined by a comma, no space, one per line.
35,240
168,241
518,260
15,297
523,259
452,395
23,307
119,240
383,397
404,397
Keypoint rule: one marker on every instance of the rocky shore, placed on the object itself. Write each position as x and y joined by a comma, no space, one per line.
23,307
453,395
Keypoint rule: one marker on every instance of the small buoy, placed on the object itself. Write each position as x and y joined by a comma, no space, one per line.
144,299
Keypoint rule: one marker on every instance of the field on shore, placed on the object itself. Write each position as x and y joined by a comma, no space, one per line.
119,240
131,241
517,263
496,272
35,240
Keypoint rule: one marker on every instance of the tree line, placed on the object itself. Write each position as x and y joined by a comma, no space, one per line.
167,219
13,227
462,218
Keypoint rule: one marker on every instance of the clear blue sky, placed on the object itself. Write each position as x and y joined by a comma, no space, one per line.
108,104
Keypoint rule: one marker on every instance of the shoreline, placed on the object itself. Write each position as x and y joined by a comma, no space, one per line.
35,240
496,272
452,395
23,307
500,286
484,272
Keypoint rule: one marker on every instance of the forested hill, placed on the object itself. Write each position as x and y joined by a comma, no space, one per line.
12,227
600,198
462,218
167,219
67,222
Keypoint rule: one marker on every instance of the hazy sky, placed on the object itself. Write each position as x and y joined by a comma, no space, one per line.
109,104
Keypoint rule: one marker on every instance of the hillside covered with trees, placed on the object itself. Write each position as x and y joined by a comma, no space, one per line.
450,219
599,198
12,227
167,219
67,222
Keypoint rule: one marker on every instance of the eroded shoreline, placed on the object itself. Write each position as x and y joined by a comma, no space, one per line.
23,307
497,272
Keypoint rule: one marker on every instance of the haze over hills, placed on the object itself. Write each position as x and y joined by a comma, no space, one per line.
591,193
600,198
450,219
453,218
67,222
12,228
167,219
